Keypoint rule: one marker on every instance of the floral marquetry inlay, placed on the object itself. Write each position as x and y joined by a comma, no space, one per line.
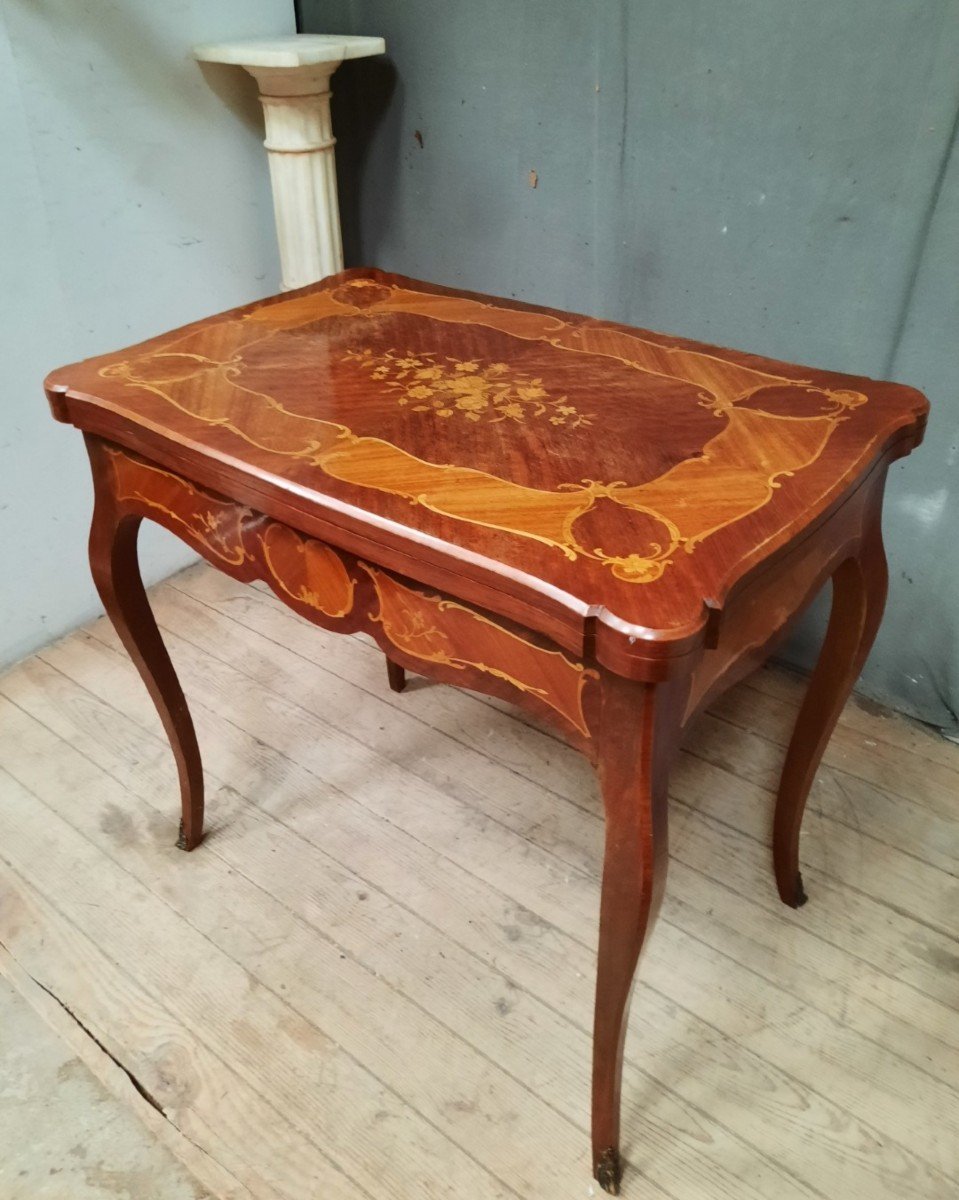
605,526
733,472
438,630
634,472
467,388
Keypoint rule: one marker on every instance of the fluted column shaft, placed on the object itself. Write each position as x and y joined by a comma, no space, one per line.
299,143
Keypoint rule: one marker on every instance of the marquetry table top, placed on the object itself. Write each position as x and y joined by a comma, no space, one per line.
564,470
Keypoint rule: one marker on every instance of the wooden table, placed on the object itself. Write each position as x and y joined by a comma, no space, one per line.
603,525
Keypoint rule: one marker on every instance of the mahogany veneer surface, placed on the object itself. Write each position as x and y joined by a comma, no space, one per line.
605,526
584,469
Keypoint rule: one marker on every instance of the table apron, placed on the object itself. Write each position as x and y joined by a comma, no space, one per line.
428,632
758,616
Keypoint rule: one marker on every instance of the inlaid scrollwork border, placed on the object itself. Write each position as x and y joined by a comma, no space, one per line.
789,443
434,634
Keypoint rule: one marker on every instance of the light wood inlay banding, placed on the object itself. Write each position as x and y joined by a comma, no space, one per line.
212,524
441,631
727,481
306,570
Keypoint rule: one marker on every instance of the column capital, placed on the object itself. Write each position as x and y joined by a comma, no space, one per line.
289,53
300,64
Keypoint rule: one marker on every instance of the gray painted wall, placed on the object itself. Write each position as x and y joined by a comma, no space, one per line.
775,176
134,197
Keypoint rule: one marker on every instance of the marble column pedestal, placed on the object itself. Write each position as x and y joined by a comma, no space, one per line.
293,74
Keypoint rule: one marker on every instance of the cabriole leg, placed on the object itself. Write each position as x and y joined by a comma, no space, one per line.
858,597
116,573
639,735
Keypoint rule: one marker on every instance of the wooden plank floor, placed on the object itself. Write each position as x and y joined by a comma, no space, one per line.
375,976
62,1135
